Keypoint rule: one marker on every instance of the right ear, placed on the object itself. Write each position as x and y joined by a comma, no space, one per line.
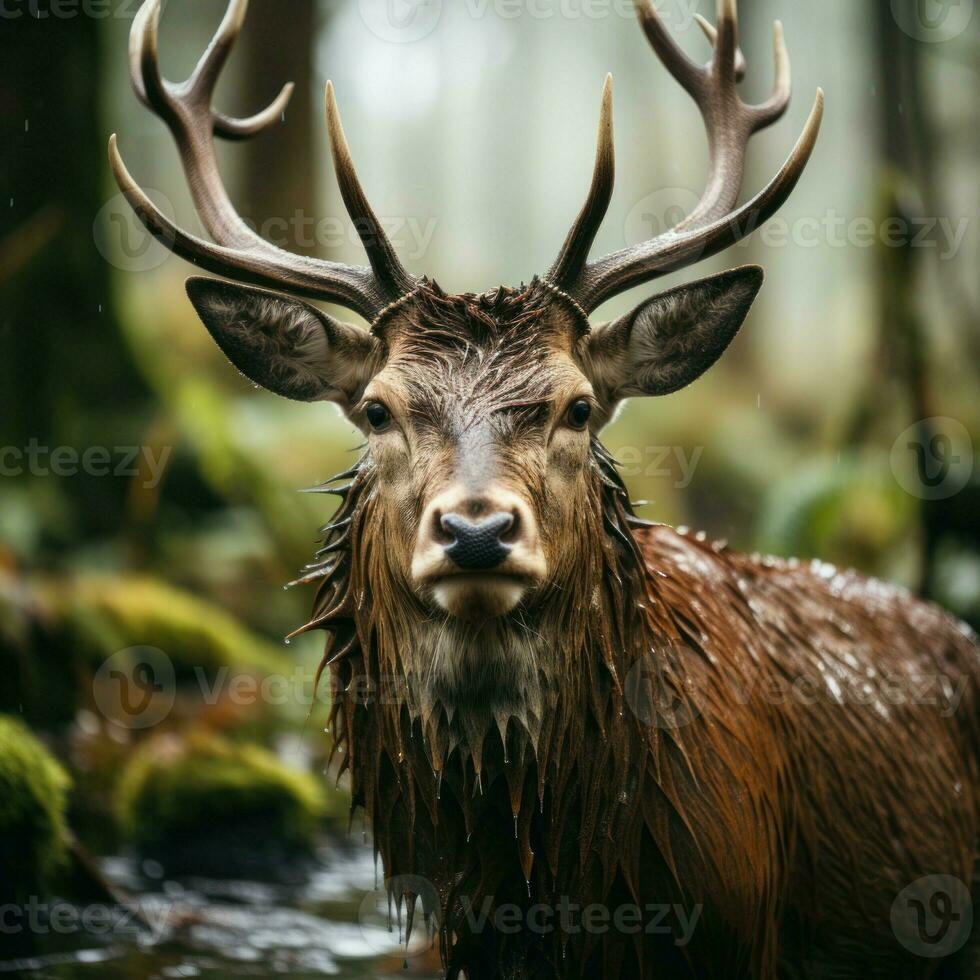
285,345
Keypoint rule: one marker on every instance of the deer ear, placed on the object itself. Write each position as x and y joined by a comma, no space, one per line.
671,340
284,345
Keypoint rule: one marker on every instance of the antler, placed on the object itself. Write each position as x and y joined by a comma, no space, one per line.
239,252
714,224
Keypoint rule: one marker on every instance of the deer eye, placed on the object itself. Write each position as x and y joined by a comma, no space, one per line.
579,414
377,415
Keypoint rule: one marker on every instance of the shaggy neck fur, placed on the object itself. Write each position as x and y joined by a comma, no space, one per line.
482,785
641,755
482,790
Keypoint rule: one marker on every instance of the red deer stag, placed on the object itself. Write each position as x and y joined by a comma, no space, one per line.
658,757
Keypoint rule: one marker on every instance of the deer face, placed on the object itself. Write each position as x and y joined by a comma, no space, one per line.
479,415
482,453
480,412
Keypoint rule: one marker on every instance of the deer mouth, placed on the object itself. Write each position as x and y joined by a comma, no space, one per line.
478,595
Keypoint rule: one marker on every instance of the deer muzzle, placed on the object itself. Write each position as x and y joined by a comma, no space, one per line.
478,555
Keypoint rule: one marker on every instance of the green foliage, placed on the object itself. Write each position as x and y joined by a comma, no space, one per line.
851,512
173,790
33,800
110,614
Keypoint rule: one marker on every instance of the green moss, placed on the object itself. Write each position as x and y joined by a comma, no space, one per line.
33,800
175,790
110,614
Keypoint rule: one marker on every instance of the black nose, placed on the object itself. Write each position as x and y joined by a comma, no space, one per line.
477,546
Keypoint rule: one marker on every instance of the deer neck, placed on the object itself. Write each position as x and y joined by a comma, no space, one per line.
451,688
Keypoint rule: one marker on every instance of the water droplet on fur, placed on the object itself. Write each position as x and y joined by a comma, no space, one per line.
527,881
287,641
515,826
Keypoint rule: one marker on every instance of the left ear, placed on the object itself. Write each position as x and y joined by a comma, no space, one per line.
670,340
287,347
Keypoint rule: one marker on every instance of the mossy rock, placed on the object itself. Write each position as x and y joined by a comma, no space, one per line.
205,802
33,802
105,615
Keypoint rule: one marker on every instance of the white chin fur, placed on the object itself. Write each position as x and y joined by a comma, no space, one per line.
478,596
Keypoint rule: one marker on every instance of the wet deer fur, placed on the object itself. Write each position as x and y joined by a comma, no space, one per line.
659,719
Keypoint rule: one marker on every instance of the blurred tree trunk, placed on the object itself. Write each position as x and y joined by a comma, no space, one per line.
66,377
279,178
910,149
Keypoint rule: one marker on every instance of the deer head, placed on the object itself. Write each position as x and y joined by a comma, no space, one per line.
481,412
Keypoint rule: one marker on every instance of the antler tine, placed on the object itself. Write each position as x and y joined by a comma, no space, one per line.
205,76
776,105
351,286
575,251
629,267
239,252
144,61
729,123
726,43
234,130
685,71
379,249
712,35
